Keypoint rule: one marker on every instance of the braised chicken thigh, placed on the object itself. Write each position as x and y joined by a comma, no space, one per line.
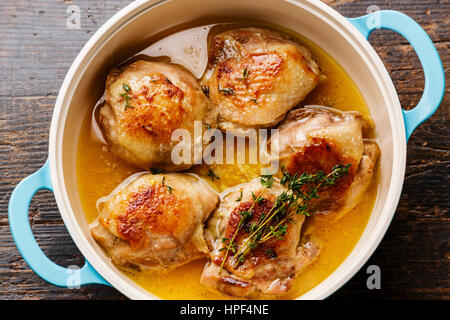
268,269
156,222
255,76
315,138
145,104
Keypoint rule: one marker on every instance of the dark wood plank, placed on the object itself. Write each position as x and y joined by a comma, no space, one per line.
36,51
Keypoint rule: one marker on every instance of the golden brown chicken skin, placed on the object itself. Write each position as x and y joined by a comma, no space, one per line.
255,76
268,270
156,222
145,104
315,138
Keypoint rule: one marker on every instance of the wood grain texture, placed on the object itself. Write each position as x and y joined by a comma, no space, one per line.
36,50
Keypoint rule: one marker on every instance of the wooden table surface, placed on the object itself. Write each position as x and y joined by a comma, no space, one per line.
37,49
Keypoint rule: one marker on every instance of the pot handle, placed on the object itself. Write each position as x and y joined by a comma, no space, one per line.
18,209
429,58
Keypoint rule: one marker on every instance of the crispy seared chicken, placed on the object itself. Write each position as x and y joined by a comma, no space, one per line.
313,139
156,222
145,103
255,76
269,269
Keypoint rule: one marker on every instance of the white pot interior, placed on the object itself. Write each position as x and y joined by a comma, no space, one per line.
141,20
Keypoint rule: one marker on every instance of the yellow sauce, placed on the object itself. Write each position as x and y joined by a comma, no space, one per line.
99,172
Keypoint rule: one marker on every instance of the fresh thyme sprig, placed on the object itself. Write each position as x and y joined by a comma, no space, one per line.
205,90
156,171
266,182
240,197
245,73
245,216
294,201
126,96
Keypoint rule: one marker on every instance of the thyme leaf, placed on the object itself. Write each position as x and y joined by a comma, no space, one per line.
212,175
239,198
